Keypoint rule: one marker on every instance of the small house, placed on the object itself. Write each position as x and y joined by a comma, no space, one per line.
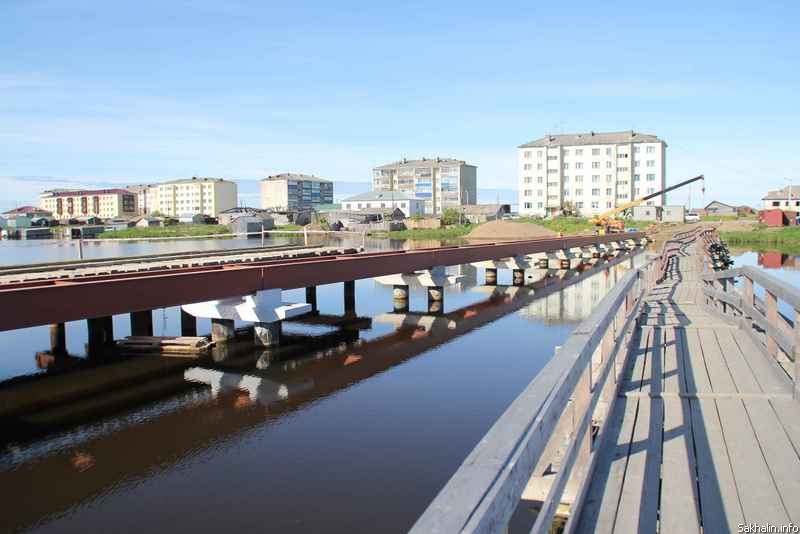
675,214
717,208
481,213
777,217
149,222
646,213
372,200
191,218
226,217
251,225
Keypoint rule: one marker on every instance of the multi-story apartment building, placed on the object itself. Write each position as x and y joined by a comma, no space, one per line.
592,172
103,203
442,183
294,191
208,196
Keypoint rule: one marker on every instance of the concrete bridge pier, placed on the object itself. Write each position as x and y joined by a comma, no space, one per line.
400,298
222,330
101,335
518,277
268,334
350,297
58,338
264,308
142,323
188,324
435,299
491,276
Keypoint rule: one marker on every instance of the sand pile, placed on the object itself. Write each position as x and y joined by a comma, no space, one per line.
509,231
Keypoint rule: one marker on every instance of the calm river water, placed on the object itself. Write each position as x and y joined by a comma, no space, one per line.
346,428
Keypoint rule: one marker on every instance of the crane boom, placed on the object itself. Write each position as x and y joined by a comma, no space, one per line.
604,219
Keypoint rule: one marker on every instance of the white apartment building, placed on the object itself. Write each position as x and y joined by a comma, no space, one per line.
295,191
103,203
591,171
208,196
408,204
440,182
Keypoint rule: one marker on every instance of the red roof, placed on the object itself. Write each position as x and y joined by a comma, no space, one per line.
26,210
82,193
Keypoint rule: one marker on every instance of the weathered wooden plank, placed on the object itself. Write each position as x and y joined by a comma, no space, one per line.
634,367
679,502
741,372
653,364
767,372
761,501
638,502
600,507
719,497
718,373
782,459
673,363
788,413
696,373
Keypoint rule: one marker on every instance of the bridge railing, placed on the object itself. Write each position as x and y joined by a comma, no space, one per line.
760,316
563,406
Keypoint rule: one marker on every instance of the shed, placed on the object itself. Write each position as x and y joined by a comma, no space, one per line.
673,214
480,213
148,222
777,217
251,225
3,222
716,207
646,213
191,218
228,216
18,221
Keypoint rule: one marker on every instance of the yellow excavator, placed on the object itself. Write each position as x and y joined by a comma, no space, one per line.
609,221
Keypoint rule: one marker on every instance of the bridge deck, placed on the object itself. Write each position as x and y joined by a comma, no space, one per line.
705,432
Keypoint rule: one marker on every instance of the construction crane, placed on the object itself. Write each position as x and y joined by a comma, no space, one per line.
608,221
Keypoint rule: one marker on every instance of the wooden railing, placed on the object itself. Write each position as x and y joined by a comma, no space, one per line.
761,318
556,425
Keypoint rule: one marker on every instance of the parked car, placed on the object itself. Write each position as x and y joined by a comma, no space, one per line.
692,218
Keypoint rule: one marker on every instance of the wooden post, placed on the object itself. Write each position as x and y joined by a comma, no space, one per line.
100,334
772,321
142,323
188,324
58,338
311,297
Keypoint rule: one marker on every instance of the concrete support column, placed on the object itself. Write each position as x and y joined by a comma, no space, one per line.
350,297
58,338
400,298
491,276
101,334
142,323
268,334
188,324
222,329
519,277
435,300
311,297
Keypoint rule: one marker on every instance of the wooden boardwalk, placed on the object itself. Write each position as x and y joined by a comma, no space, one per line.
705,433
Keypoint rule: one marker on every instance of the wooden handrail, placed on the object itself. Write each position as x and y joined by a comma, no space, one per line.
559,403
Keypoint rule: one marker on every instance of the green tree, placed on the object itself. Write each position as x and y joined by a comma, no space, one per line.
451,216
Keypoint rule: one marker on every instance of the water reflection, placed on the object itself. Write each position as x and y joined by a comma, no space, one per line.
774,259
144,429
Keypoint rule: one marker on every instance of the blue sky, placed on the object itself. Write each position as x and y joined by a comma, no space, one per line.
113,92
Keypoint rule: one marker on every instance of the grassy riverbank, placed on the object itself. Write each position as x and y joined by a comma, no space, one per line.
448,232
575,225
763,237
177,230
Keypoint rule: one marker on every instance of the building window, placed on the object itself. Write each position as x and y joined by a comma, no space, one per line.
579,152
595,152
608,164
579,205
651,177
578,192
539,192
566,179
636,163
527,192
539,166
566,165
552,158
527,205
539,204
595,192
635,177
651,163
608,204
595,178
595,164
539,153
579,178
539,179
566,152
636,149
622,169
528,179
579,165
527,154
566,192
651,149
552,171
609,191
595,204
527,166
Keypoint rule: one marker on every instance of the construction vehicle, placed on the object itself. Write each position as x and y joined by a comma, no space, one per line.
609,221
